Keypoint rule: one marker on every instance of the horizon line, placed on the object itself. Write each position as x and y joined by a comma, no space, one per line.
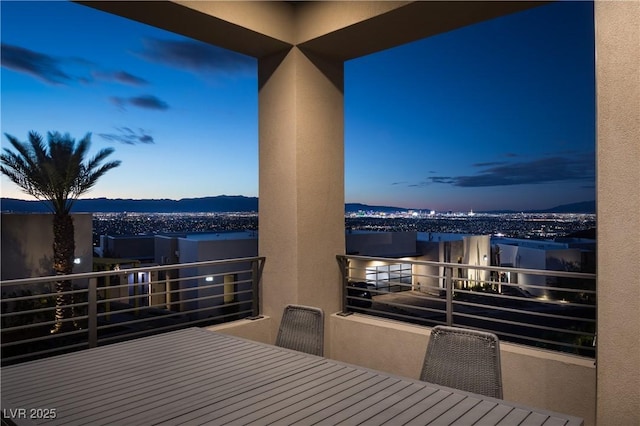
378,206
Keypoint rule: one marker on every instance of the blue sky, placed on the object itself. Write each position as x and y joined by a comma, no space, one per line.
499,115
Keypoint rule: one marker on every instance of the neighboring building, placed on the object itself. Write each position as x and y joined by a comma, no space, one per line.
422,246
139,247
27,245
220,284
576,255
27,252
212,285
381,244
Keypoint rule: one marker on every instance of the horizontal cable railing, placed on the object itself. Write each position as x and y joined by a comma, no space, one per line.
120,304
548,309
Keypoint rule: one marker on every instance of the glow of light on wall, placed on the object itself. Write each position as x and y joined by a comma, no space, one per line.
76,261
209,279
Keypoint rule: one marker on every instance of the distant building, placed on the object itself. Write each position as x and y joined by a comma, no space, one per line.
573,255
139,247
576,255
27,245
388,275
213,285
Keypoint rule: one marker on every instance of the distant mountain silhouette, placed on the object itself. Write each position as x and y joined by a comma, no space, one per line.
222,203
582,207
585,207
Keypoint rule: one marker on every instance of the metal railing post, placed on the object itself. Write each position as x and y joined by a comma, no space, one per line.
448,282
92,313
256,274
255,301
343,262
167,290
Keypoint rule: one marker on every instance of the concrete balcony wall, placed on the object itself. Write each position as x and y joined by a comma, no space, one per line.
259,330
538,378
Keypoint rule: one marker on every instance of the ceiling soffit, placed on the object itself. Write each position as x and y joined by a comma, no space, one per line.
406,23
196,20
336,30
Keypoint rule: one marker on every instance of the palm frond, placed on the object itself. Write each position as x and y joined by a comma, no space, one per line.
55,172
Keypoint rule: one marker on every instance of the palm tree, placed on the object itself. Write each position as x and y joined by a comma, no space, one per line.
57,174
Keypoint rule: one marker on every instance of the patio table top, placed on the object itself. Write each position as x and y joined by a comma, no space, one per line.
195,376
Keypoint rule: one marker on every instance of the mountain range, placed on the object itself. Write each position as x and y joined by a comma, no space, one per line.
222,203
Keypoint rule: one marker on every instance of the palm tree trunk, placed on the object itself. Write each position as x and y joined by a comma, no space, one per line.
63,252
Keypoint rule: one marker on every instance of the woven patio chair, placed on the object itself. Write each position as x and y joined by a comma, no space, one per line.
464,359
302,329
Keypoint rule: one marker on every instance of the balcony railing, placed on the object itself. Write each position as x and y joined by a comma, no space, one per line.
121,304
548,309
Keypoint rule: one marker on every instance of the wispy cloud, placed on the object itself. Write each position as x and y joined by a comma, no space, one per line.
144,101
543,170
128,136
488,164
42,66
195,56
579,167
61,70
121,77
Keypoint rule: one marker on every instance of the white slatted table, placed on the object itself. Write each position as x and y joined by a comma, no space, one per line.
195,376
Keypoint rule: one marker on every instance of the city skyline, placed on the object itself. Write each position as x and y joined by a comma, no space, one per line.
498,115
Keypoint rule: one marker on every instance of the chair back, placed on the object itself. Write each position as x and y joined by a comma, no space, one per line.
302,329
464,359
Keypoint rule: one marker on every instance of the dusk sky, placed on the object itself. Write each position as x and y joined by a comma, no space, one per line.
498,115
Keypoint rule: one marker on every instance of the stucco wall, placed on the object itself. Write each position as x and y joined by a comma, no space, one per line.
381,243
301,125
27,244
617,25
137,247
538,378
259,330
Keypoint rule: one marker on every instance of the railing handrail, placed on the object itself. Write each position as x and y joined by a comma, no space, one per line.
111,311
98,274
544,272
549,315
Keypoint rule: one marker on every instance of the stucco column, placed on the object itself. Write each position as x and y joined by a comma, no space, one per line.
617,25
301,213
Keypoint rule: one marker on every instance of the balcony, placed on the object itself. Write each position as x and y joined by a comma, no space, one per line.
553,310
122,304
300,49
383,329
